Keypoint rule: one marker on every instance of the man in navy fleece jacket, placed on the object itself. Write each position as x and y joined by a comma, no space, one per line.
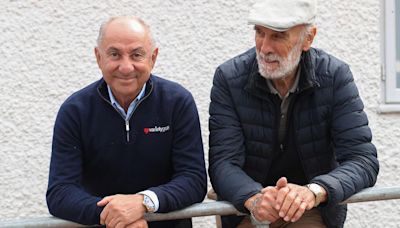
129,143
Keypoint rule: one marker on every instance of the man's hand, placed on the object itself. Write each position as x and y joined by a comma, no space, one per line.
122,210
262,206
265,210
293,200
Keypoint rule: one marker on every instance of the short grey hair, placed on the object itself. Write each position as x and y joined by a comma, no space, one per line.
307,29
134,18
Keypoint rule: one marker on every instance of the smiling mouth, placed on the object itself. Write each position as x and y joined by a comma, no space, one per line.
127,78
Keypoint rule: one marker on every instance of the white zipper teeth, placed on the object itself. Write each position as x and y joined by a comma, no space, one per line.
127,130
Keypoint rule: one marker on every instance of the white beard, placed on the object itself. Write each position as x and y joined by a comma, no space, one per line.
286,65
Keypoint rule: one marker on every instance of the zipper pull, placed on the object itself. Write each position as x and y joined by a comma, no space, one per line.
127,130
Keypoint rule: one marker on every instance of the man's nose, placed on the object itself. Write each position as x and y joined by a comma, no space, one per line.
126,66
266,45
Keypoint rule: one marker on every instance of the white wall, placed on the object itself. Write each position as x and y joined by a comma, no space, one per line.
47,53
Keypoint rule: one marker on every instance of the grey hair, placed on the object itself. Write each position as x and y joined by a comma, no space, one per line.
307,30
134,18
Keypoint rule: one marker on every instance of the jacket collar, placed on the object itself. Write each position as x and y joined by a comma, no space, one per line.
257,85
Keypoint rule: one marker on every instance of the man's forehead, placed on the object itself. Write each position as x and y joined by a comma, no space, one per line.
263,28
127,23
125,32
124,26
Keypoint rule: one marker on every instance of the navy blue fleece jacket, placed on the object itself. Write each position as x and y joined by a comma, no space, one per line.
92,157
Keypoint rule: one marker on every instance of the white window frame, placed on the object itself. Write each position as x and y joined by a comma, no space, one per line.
392,93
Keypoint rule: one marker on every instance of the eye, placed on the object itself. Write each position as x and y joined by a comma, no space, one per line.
138,56
114,55
280,35
259,32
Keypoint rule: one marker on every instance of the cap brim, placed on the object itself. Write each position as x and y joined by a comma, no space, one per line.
254,22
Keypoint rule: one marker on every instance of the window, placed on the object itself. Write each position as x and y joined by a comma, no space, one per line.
392,51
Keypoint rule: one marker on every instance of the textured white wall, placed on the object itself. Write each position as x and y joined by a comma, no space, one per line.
47,53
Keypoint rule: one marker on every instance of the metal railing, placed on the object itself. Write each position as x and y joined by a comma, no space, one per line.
199,210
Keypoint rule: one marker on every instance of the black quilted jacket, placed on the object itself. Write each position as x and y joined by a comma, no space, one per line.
329,129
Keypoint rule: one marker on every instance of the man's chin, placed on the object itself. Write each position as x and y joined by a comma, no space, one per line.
271,75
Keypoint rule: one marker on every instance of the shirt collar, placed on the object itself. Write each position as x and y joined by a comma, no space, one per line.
132,105
291,90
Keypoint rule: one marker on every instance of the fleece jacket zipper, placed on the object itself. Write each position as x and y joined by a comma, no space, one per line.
127,127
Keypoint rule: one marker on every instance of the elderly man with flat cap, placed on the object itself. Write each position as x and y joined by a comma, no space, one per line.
129,143
289,139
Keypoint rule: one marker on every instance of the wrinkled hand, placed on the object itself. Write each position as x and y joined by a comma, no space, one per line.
264,207
121,210
141,223
292,200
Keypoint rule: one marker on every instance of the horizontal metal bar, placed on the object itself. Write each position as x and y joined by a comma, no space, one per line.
375,194
39,222
196,210
199,209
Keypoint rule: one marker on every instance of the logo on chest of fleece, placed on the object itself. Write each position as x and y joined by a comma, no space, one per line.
155,129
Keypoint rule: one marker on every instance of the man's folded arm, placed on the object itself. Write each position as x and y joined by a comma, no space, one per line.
227,150
65,195
188,184
351,138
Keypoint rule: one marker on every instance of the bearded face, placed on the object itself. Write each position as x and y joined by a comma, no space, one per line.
286,64
278,53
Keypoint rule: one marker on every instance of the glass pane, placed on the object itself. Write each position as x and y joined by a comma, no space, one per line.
397,21
398,80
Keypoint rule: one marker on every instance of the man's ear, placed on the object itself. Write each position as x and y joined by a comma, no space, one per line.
311,33
97,54
154,57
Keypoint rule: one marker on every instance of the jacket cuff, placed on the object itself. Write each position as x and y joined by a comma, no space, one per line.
239,204
332,187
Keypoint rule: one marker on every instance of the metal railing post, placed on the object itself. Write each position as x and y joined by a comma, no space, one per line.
259,224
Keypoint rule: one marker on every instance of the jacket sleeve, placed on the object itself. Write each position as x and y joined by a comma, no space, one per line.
188,184
227,148
65,195
351,138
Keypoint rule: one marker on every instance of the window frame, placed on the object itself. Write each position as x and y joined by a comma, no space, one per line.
392,93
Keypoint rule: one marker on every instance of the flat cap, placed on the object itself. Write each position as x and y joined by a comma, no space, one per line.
281,15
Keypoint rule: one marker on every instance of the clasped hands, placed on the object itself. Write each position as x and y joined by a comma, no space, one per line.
285,200
123,211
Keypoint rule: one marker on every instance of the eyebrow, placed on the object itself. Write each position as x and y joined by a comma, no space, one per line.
112,49
138,49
